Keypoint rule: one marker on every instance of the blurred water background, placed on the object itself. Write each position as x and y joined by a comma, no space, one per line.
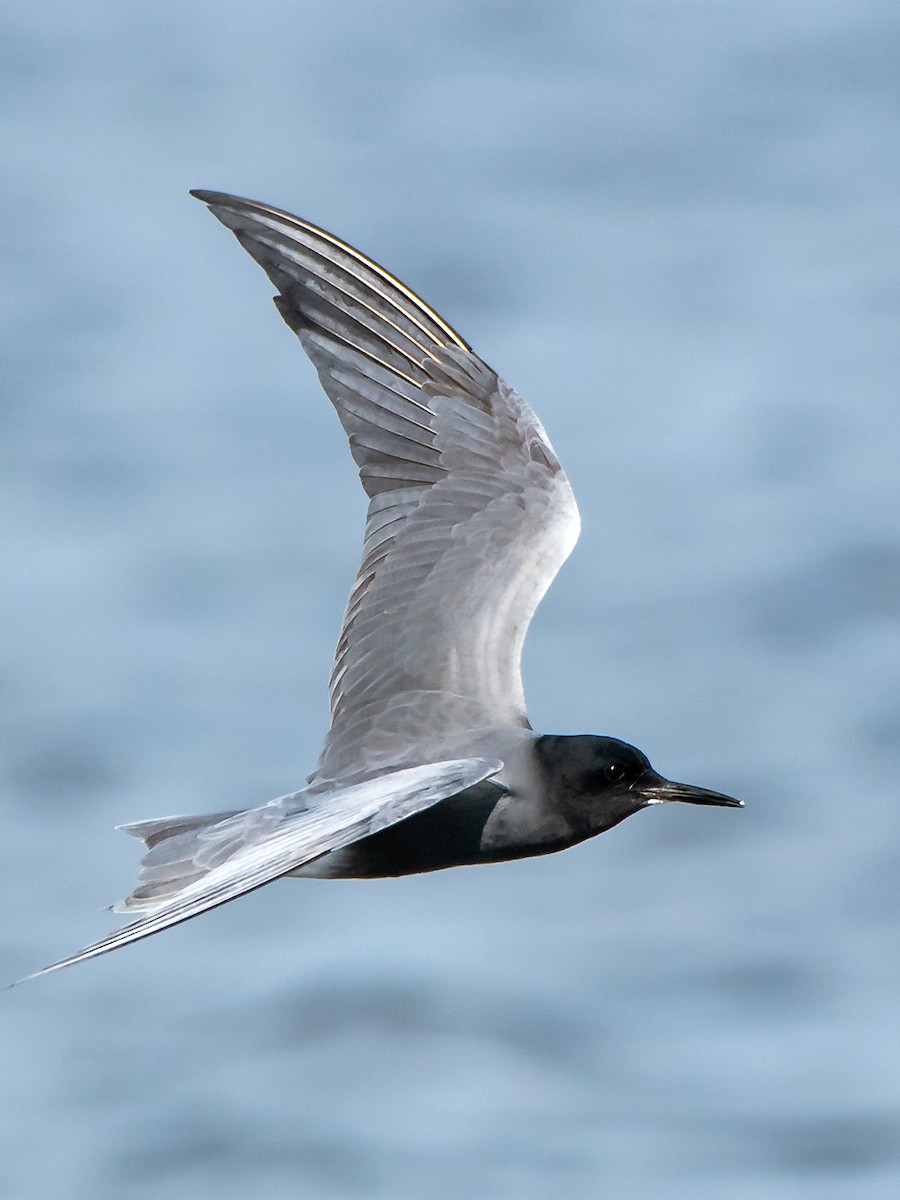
674,227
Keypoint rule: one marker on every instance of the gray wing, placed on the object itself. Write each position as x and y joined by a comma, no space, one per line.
293,838
470,514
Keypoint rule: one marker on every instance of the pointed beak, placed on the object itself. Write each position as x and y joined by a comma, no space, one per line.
665,790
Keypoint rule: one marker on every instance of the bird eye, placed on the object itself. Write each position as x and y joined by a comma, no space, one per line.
614,772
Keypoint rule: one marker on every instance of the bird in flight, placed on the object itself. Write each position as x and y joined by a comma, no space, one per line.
430,760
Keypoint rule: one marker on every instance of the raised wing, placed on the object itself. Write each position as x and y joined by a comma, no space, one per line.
297,835
470,514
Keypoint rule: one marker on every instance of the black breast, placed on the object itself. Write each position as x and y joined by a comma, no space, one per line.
446,835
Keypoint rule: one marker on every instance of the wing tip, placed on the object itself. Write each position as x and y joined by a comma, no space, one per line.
57,966
220,203
207,196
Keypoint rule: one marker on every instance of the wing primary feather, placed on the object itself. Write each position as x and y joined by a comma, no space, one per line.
286,248
264,212
346,378
334,335
313,304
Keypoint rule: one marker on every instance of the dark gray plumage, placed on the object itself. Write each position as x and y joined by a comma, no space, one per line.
430,761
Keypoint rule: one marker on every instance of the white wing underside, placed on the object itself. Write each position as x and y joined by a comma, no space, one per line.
470,515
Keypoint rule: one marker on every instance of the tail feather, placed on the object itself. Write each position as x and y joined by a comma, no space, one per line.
162,828
175,857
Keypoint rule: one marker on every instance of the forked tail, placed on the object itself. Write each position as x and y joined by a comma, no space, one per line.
180,851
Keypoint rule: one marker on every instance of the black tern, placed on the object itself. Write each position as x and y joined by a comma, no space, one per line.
430,760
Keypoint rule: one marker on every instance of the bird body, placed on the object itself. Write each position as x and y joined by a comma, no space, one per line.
430,761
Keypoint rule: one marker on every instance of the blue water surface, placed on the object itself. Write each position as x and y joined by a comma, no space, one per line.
674,227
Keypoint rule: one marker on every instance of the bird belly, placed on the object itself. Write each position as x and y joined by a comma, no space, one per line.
446,835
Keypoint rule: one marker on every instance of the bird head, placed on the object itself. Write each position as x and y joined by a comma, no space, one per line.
599,781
